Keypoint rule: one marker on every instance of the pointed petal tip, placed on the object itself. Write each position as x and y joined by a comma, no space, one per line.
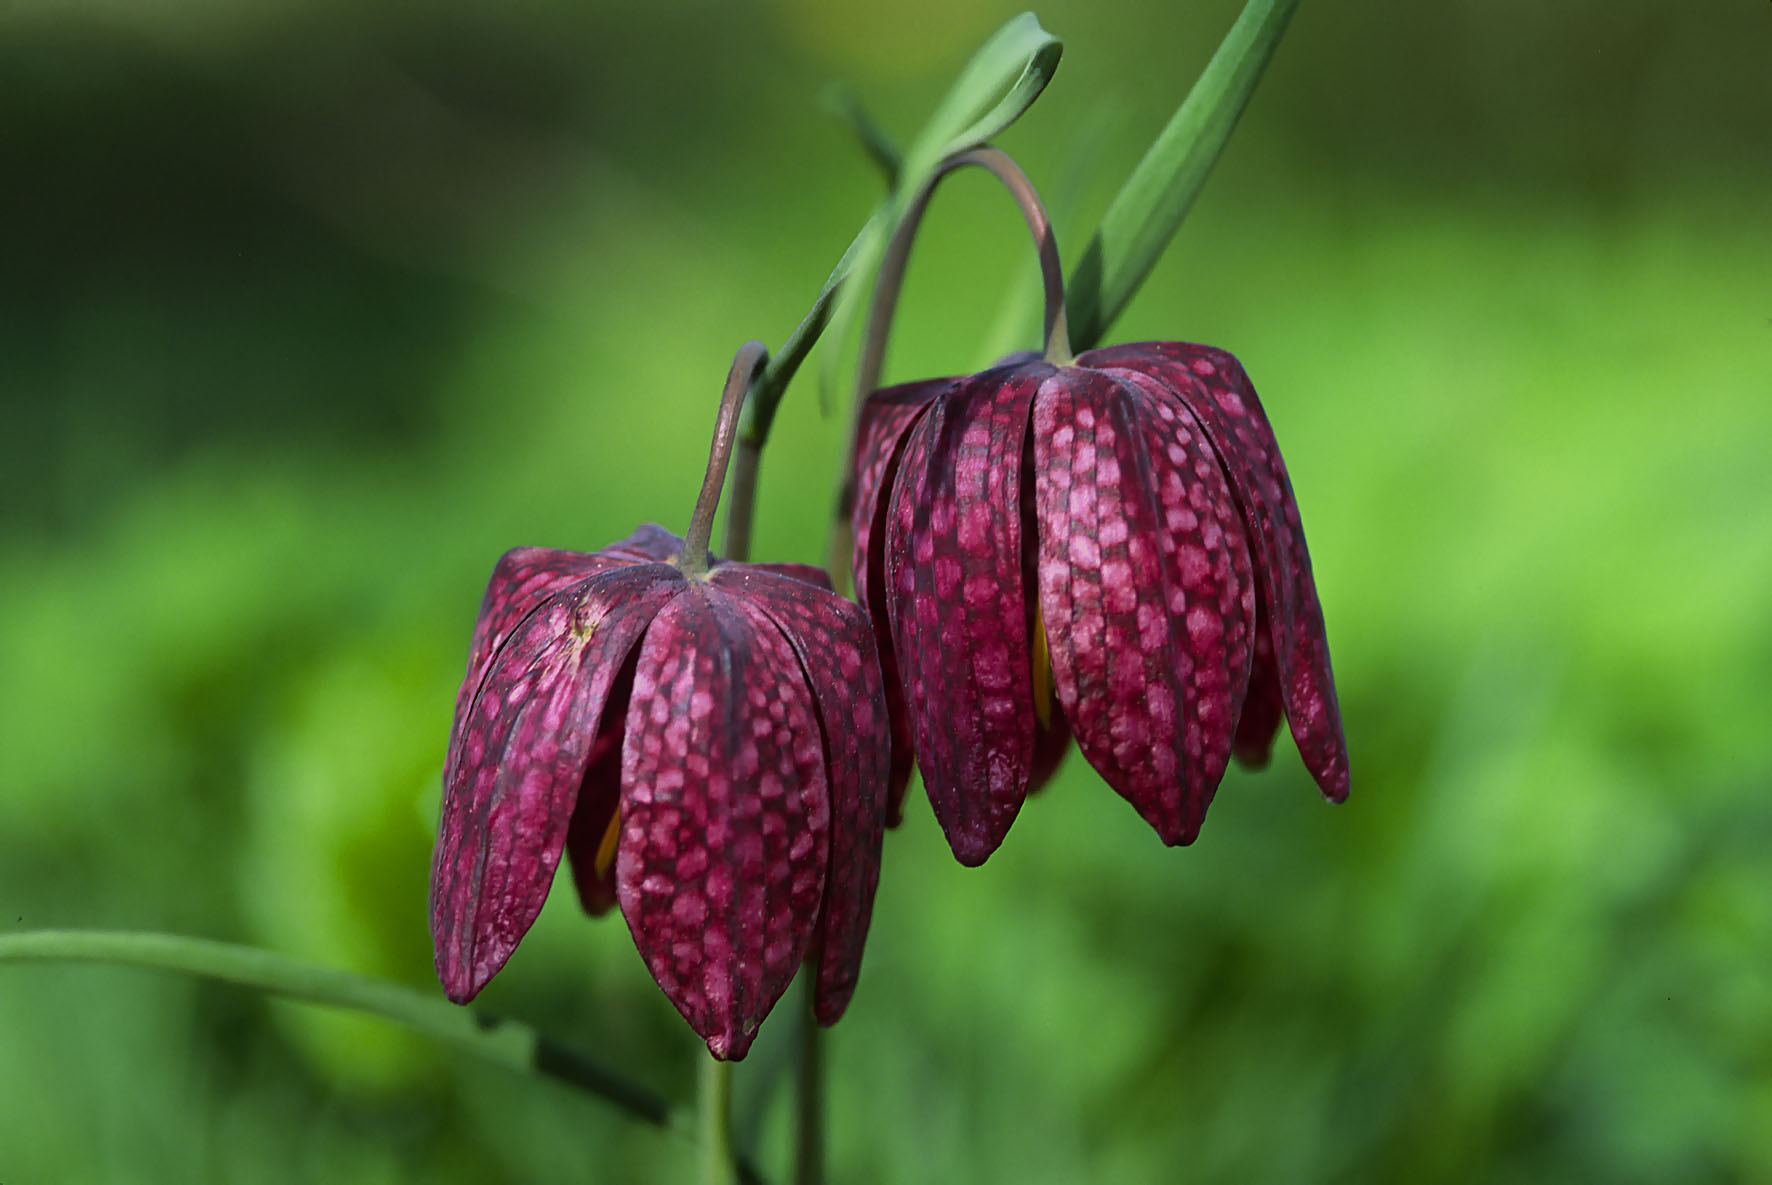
460,995
464,968
459,984
1182,833
730,1045
972,850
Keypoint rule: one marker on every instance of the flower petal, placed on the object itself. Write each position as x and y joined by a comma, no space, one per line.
887,417
835,645
1051,742
960,620
588,853
1217,391
1262,708
802,573
522,579
725,816
513,776
1139,566
649,544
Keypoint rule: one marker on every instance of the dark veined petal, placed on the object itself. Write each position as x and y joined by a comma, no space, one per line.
524,741
1213,386
959,615
835,644
591,836
803,573
650,543
1051,742
522,579
721,863
887,417
1260,721
1139,567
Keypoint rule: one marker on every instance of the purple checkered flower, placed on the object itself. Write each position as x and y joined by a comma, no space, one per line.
710,750
1108,549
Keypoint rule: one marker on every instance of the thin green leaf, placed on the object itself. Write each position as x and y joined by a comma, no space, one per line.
874,140
992,91
1147,211
510,1044
765,394
1018,314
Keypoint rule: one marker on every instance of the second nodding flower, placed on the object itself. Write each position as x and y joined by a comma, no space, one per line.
1104,546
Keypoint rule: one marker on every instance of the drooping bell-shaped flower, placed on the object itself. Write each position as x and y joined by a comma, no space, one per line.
707,743
1109,546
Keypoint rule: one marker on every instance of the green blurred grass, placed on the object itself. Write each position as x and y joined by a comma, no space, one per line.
308,317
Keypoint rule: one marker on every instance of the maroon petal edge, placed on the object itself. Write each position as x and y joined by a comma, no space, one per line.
524,739
599,797
835,644
1145,590
521,581
650,543
1213,385
799,573
886,419
958,612
724,836
1262,708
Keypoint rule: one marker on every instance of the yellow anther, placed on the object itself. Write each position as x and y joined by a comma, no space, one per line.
606,848
1042,657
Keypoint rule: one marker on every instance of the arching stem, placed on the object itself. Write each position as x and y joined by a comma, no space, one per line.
898,250
750,358
741,505
885,302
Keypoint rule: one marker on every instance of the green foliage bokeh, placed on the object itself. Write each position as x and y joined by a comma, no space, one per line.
307,312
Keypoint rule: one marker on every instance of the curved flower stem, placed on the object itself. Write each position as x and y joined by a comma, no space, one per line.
508,1043
885,302
750,358
741,503
898,250
715,1089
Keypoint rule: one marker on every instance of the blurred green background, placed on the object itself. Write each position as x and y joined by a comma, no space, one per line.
310,310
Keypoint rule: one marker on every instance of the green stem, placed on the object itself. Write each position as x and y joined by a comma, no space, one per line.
741,503
772,384
745,364
1150,206
886,155
809,1150
509,1043
885,302
996,86
715,1083
898,250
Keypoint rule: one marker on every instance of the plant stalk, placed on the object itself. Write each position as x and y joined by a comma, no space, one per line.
898,250
741,503
809,1090
1150,206
715,1103
750,358
885,302
509,1043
